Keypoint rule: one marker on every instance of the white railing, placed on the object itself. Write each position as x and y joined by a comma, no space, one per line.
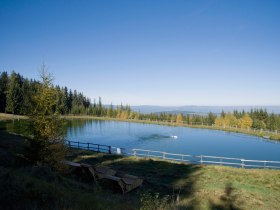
195,159
203,159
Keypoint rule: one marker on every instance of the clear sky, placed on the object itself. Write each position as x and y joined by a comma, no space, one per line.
161,52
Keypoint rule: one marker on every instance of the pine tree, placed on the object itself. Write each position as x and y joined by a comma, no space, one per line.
47,145
70,101
211,118
4,79
14,94
27,101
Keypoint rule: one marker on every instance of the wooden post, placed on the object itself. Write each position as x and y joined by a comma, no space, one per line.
163,155
110,150
201,161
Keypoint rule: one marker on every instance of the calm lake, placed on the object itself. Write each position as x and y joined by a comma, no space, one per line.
158,137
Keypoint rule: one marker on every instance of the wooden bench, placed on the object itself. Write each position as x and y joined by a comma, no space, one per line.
126,182
95,172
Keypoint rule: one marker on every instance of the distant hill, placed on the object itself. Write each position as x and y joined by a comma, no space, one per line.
201,109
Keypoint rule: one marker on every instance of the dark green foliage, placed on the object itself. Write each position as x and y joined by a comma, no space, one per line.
211,118
14,96
3,89
258,124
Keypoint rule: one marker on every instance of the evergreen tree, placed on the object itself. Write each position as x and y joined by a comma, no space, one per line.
69,101
27,101
47,146
4,79
211,118
14,94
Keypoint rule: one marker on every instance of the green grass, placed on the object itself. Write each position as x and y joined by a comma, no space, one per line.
199,187
166,184
4,117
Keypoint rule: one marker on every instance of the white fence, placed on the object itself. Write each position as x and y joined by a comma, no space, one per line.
203,159
194,159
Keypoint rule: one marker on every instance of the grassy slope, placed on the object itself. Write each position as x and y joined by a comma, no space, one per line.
4,116
198,187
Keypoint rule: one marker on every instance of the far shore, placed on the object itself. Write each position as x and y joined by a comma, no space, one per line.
264,134
4,116
227,129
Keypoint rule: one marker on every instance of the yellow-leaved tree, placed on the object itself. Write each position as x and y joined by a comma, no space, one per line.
46,147
179,119
246,121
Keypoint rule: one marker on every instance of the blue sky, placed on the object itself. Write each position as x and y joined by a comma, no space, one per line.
149,52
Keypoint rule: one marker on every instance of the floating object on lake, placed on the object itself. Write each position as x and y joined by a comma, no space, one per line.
174,137
158,136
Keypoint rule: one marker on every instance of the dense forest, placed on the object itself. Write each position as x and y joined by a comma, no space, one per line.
16,97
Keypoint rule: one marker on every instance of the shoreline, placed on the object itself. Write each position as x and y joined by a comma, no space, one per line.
264,134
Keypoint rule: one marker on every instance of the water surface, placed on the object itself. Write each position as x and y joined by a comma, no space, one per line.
157,137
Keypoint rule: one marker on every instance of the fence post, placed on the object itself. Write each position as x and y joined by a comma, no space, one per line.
220,161
163,155
201,161
264,164
242,163
110,150
134,152
97,147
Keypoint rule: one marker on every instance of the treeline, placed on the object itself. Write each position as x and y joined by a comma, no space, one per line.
255,119
16,97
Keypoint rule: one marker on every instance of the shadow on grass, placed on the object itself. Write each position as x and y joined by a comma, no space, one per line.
160,177
93,158
227,200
